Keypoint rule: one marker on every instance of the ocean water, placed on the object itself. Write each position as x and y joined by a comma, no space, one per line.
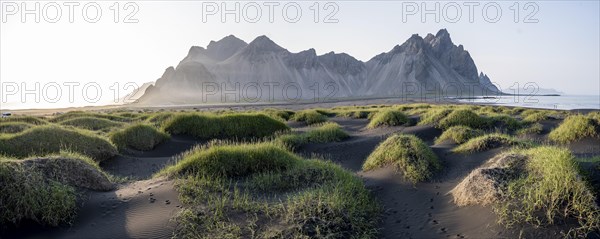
563,102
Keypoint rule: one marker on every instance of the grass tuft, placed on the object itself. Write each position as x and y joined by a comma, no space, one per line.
388,117
228,126
14,127
282,115
408,154
42,189
355,114
223,188
27,195
462,117
490,141
326,132
458,134
25,119
158,119
574,128
309,117
551,191
233,160
535,116
139,137
91,123
433,116
504,121
43,140
535,128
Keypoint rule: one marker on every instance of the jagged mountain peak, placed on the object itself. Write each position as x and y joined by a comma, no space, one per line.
443,33
342,63
433,59
441,41
264,43
228,41
310,51
196,50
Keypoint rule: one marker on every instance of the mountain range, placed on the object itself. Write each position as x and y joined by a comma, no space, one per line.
231,70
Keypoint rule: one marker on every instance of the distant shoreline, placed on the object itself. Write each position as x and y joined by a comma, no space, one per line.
293,105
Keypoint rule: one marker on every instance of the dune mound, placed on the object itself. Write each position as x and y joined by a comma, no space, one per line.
91,123
25,119
75,171
408,154
458,134
139,137
489,141
309,117
43,140
433,116
485,184
226,126
462,117
14,127
576,127
325,132
43,189
539,186
388,117
224,186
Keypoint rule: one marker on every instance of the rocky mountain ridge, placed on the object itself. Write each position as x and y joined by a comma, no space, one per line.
231,70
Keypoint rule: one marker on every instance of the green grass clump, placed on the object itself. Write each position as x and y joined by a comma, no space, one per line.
504,121
355,114
309,117
43,140
291,141
388,117
283,115
157,119
408,154
535,128
223,188
326,132
535,116
595,116
433,116
14,127
25,119
462,117
91,123
227,126
496,110
42,189
551,191
489,141
139,137
72,169
574,128
234,160
458,134
27,195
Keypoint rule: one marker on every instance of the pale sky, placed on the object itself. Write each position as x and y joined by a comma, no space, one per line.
560,51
